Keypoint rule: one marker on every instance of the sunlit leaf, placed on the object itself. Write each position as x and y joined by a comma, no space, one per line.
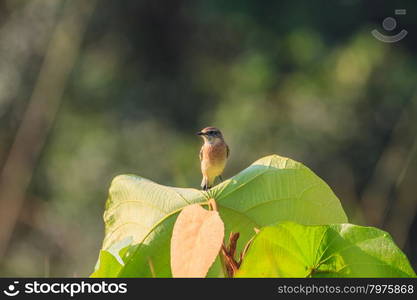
196,240
339,250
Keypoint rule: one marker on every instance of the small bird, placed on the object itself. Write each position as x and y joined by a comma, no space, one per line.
213,156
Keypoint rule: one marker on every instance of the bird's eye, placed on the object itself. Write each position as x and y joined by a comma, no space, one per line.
211,132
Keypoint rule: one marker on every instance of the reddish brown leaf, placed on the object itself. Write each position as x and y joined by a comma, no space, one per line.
196,240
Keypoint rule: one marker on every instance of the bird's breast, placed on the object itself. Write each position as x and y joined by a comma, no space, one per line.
214,157
215,152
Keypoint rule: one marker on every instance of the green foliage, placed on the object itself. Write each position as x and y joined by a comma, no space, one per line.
140,214
140,217
339,250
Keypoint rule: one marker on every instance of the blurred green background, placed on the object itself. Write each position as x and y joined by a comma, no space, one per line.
92,89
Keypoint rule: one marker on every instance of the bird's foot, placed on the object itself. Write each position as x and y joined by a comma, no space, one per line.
206,187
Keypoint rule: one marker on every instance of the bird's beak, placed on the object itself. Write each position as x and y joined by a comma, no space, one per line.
200,133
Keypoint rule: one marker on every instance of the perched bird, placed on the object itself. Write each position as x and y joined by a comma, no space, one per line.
213,155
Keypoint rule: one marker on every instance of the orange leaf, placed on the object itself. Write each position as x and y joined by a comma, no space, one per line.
196,241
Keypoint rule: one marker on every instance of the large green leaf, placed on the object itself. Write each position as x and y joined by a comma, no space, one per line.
272,189
338,250
144,213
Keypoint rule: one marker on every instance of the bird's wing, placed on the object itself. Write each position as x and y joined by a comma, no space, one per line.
227,151
201,153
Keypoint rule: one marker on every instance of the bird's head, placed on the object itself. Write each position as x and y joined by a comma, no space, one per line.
211,134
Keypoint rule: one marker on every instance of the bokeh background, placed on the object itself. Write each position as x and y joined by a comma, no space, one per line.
91,89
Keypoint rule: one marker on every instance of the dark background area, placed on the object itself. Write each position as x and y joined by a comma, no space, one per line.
92,89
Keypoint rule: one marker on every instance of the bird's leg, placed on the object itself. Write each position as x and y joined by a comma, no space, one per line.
221,178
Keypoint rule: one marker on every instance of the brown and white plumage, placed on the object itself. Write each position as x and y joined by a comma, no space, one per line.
213,155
